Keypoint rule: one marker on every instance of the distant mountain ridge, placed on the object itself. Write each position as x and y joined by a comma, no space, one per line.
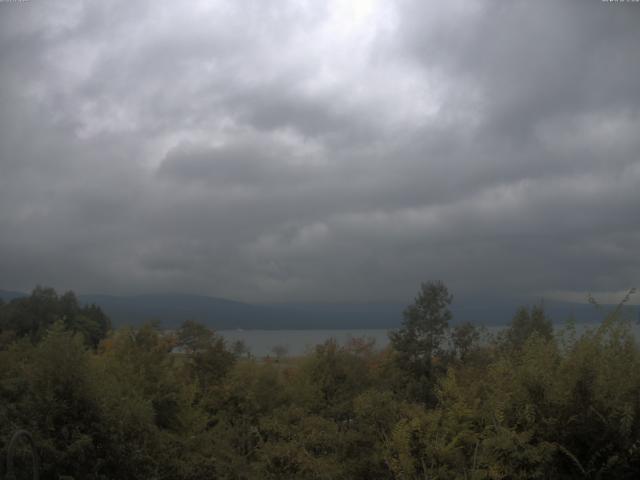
8,295
222,314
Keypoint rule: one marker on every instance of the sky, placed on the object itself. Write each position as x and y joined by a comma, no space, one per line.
338,151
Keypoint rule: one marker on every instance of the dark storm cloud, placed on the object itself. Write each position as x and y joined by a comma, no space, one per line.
294,151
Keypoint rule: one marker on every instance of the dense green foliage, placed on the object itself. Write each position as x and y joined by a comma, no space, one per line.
420,340
31,317
440,402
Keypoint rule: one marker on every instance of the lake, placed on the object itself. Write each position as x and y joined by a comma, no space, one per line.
299,342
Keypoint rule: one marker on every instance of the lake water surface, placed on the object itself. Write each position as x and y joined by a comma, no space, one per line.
299,342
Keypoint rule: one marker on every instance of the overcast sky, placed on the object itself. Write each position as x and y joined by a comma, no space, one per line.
320,151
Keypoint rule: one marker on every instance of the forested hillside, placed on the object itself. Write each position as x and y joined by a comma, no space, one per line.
441,402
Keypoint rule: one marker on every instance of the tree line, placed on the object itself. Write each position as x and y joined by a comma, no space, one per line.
441,401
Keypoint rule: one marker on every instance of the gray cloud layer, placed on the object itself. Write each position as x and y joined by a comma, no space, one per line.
308,151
